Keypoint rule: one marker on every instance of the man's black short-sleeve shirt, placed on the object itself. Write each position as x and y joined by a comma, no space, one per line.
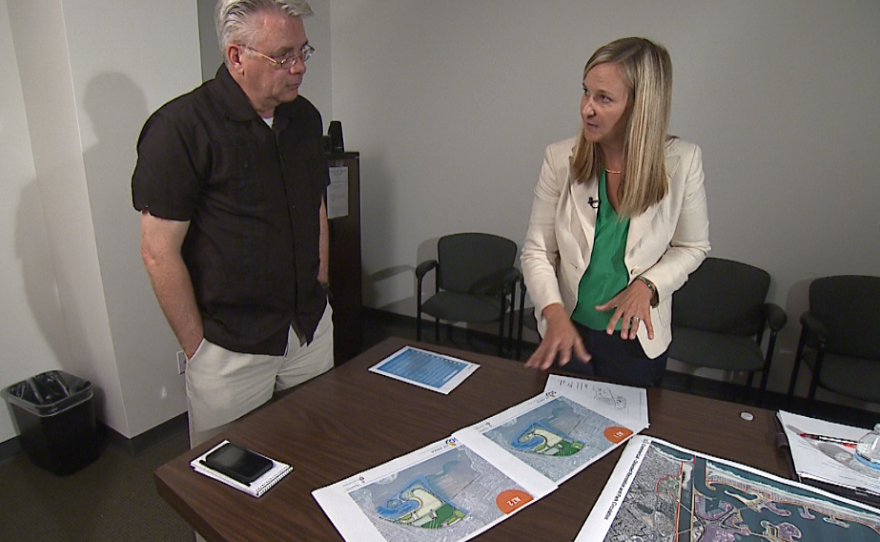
252,195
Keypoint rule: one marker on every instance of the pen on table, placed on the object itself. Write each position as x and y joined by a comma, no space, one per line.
836,440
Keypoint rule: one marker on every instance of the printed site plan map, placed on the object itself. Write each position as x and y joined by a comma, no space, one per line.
663,493
453,490
554,434
445,492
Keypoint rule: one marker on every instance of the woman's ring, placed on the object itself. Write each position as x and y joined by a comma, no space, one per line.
636,318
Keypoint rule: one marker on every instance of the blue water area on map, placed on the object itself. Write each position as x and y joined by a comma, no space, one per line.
788,521
530,443
725,510
399,506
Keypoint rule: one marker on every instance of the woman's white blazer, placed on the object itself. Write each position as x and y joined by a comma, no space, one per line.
665,243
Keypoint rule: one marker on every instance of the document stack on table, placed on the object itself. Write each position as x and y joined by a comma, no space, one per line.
823,455
455,489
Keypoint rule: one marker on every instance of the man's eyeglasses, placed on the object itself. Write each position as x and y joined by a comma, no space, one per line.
287,61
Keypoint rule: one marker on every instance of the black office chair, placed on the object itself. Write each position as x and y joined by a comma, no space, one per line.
475,282
719,317
840,338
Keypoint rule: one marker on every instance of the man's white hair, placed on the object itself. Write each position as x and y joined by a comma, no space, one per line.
233,18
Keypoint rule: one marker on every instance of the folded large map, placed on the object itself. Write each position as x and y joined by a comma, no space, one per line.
662,492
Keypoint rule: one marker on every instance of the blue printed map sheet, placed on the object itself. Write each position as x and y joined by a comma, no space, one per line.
425,369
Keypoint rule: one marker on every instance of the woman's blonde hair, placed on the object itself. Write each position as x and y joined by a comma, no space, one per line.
646,69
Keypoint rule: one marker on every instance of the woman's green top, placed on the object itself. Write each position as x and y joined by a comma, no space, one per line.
606,275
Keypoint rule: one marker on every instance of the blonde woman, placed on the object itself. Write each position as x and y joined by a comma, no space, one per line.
618,222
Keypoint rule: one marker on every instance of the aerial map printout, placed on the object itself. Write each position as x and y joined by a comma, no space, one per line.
661,492
445,492
553,434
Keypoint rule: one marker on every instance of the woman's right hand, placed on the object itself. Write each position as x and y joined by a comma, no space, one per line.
560,341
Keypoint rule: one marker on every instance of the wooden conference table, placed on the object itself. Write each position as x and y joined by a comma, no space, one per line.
350,420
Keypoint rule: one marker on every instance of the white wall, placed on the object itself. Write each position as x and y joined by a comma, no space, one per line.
85,88
31,328
118,80
452,103
44,68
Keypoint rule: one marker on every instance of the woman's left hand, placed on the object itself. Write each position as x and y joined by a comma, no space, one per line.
633,307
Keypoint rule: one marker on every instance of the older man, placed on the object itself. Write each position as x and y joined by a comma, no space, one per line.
230,183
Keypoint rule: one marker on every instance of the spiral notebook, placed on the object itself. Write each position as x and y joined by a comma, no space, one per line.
256,488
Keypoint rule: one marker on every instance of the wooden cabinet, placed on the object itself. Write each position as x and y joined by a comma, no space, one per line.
346,290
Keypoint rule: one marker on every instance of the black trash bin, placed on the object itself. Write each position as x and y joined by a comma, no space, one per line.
56,420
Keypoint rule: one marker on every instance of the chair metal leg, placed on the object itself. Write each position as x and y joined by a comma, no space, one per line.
798,356
764,377
814,381
748,390
510,322
768,359
419,311
501,336
502,302
522,315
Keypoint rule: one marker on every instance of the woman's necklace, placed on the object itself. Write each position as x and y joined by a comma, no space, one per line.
612,171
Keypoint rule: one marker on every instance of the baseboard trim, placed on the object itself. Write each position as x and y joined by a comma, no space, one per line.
387,315
136,445
9,449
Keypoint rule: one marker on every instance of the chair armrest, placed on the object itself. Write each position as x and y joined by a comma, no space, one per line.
814,326
511,276
498,283
776,317
424,267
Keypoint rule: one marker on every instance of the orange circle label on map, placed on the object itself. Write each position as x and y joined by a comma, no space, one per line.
510,499
617,434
